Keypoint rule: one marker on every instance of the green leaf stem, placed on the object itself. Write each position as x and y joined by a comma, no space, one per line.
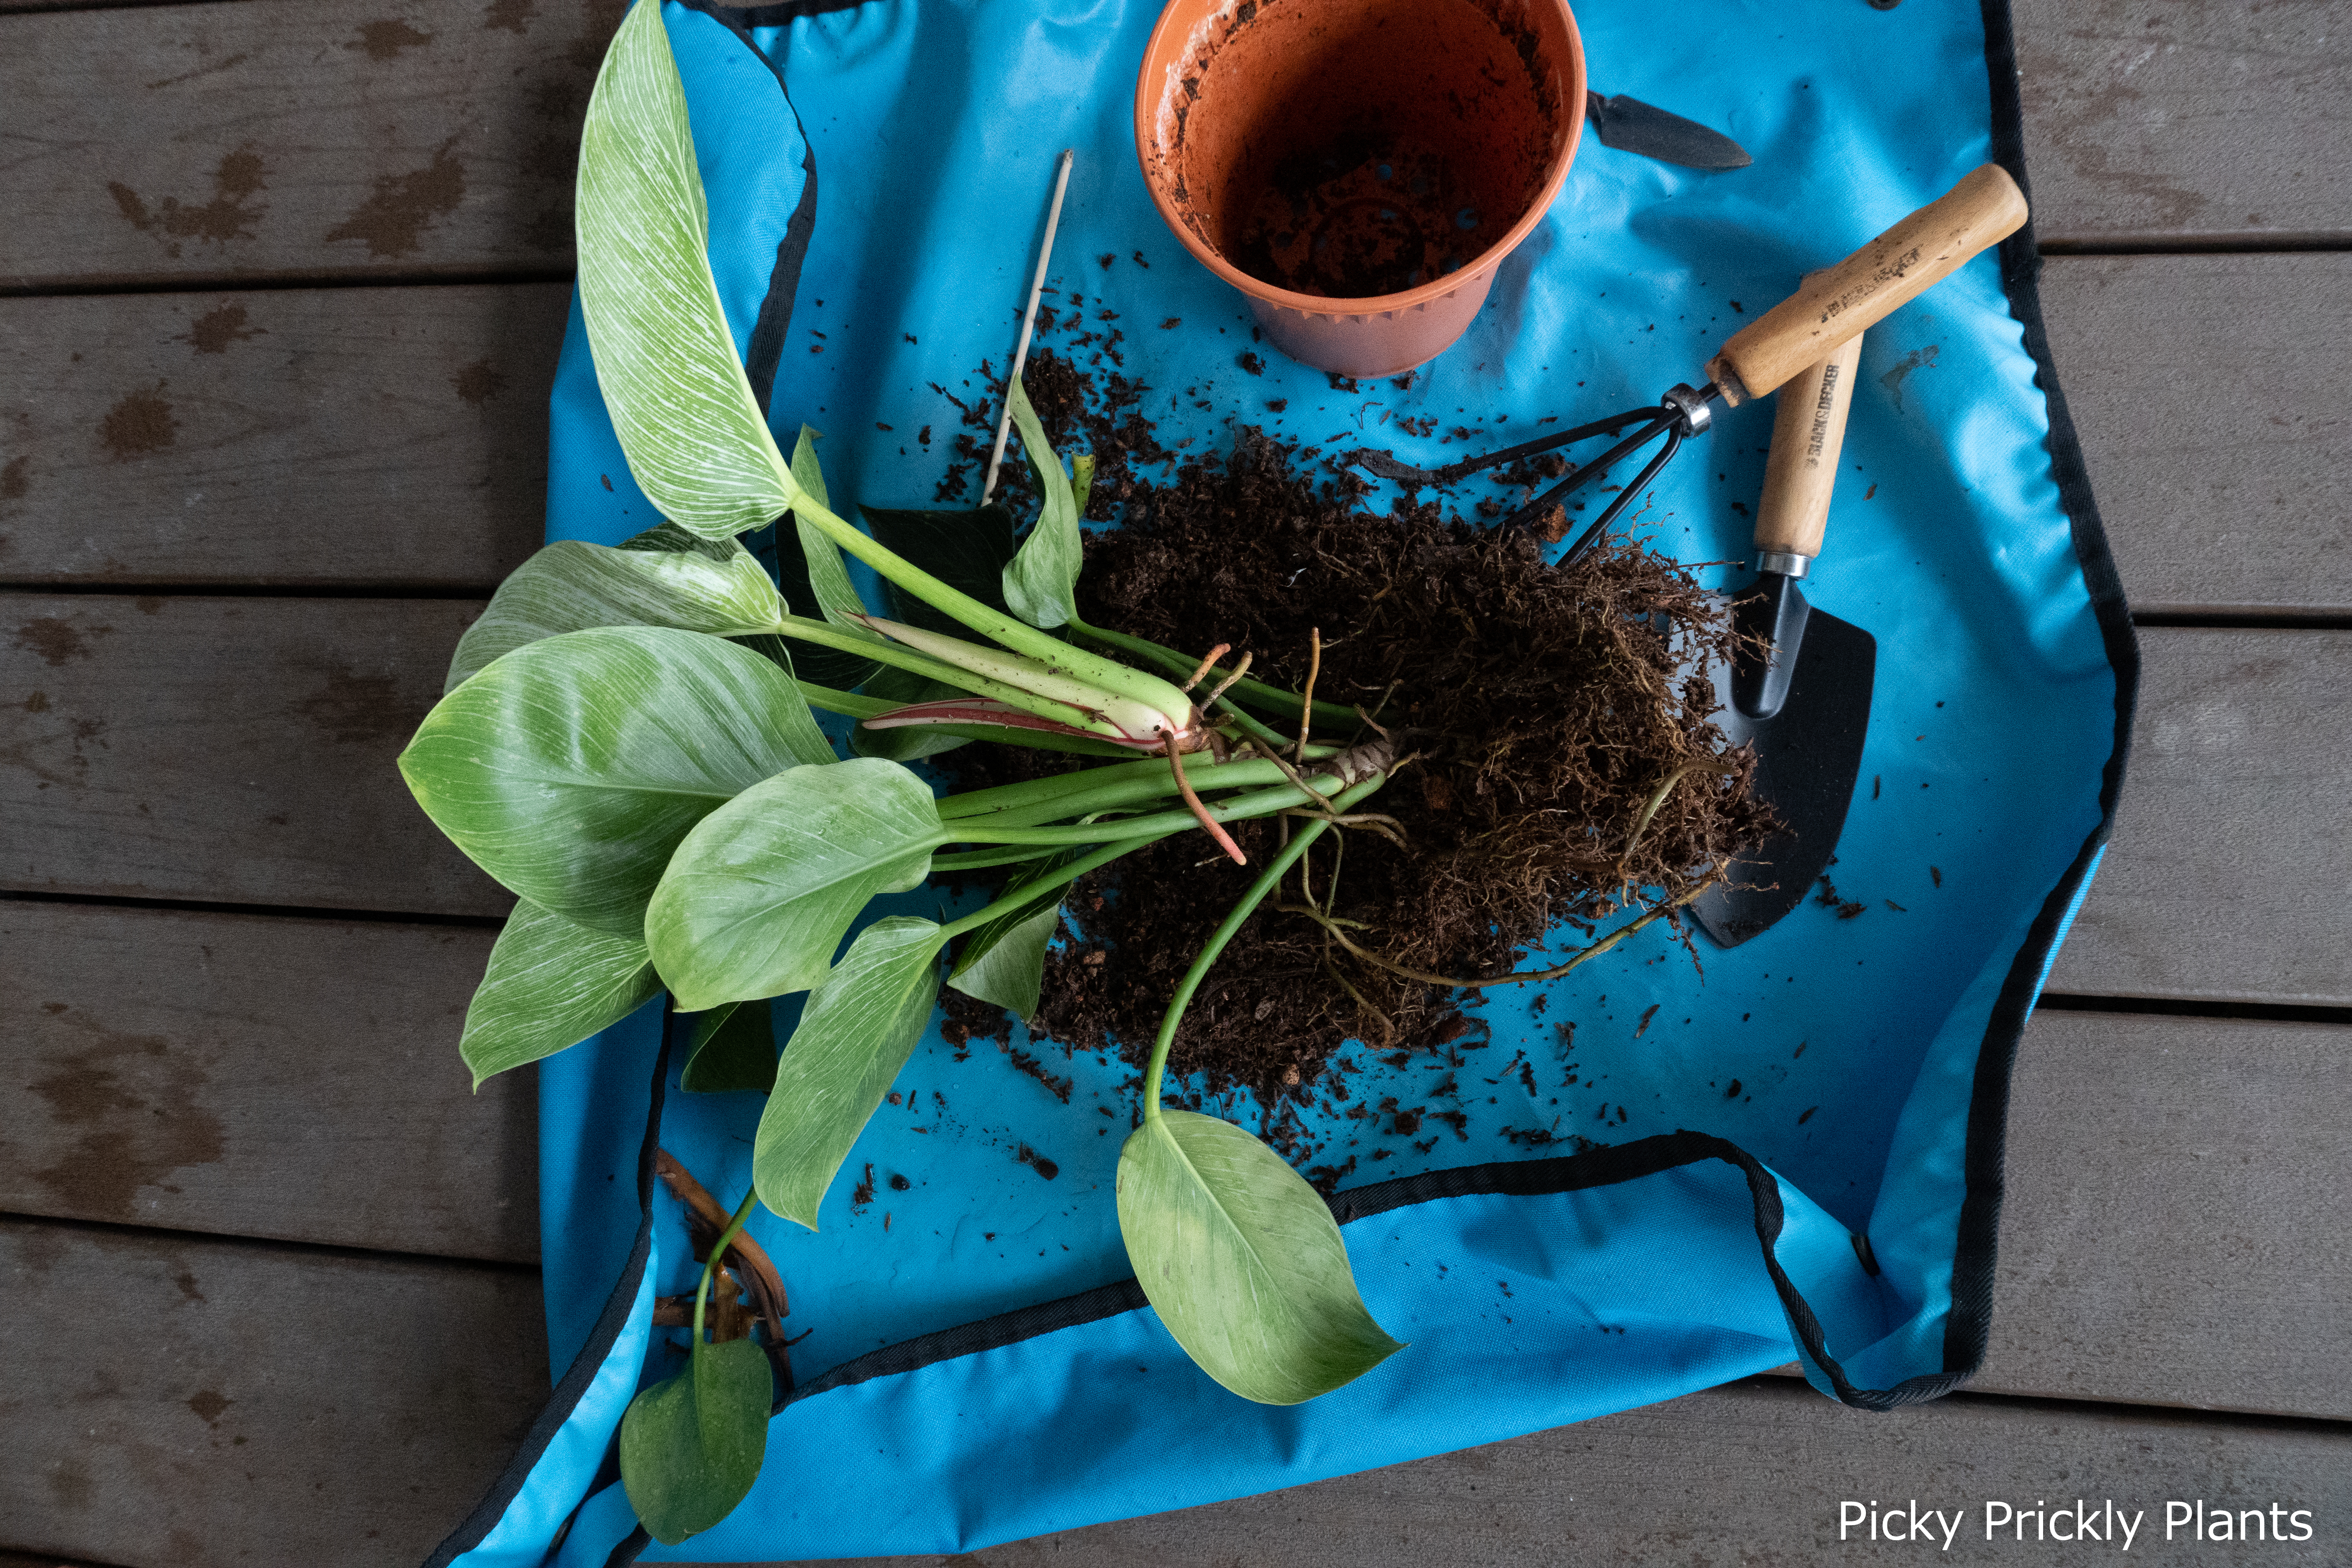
572,767
571,586
673,383
968,550
1242,1260
857,1030
760,894
551,985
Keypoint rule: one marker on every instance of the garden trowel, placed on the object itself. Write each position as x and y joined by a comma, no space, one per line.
1798,687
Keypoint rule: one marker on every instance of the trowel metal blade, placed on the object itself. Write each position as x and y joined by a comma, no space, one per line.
1806,759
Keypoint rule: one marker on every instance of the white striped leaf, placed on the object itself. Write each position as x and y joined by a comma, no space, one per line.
858,1029
551,985
680,403
571,586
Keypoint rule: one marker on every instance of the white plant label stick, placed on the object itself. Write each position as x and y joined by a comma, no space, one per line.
1028,320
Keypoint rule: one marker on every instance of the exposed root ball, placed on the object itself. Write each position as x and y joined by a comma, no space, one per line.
1546,707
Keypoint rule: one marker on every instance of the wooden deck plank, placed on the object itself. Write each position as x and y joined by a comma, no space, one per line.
307,1081
2155,125
225,750
374,437
282,139
365,1446
254,1076
186,1403
2207,391
191,440
2225,882
240,751
2165,1237
288,139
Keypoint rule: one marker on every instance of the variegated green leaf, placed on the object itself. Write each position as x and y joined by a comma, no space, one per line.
759,894
691,1444
673,383
1041,584
551,985
1242,1261
571,586
858,1031
570,769
828,575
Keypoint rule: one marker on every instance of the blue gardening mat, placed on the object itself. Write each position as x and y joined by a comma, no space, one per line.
1795,1153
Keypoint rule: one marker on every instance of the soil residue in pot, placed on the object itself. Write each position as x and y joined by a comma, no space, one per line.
1351,149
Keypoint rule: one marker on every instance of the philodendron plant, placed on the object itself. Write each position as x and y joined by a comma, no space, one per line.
626,744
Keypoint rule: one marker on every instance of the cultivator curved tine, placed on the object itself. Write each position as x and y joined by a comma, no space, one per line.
1685,411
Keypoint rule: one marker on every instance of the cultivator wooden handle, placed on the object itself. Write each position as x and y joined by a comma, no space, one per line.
1838,302
1807,432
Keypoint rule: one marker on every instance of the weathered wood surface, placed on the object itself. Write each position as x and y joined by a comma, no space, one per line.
364,1446
256,1076
240,751
2151,124
2209,391
384,437
182,1402
388,438
226,749
2227,879
287,139
2173,1229
295,139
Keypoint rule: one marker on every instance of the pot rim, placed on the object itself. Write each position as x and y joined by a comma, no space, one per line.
1146,106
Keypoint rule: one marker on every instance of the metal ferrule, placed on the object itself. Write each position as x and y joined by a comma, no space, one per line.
1691,403
1781,562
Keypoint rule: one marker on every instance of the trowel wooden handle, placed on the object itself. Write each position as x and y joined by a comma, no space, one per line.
1837,303
1801,470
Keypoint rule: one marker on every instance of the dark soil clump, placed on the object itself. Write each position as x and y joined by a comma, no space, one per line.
1544,708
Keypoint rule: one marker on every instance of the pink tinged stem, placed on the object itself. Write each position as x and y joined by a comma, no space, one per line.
1184,786
981,710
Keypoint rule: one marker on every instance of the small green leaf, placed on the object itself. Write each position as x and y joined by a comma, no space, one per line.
571,768
967,550
691,1444
733,1048
571,586
858,1031
1041,584
673,383
1082,481
828,576
760,894
1005,961
551,985
1242,1261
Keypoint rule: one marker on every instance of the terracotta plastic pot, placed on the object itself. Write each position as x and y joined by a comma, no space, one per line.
1359,168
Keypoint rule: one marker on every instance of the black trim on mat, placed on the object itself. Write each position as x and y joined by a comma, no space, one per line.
776,318
584,1366
779,16
1969,1325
